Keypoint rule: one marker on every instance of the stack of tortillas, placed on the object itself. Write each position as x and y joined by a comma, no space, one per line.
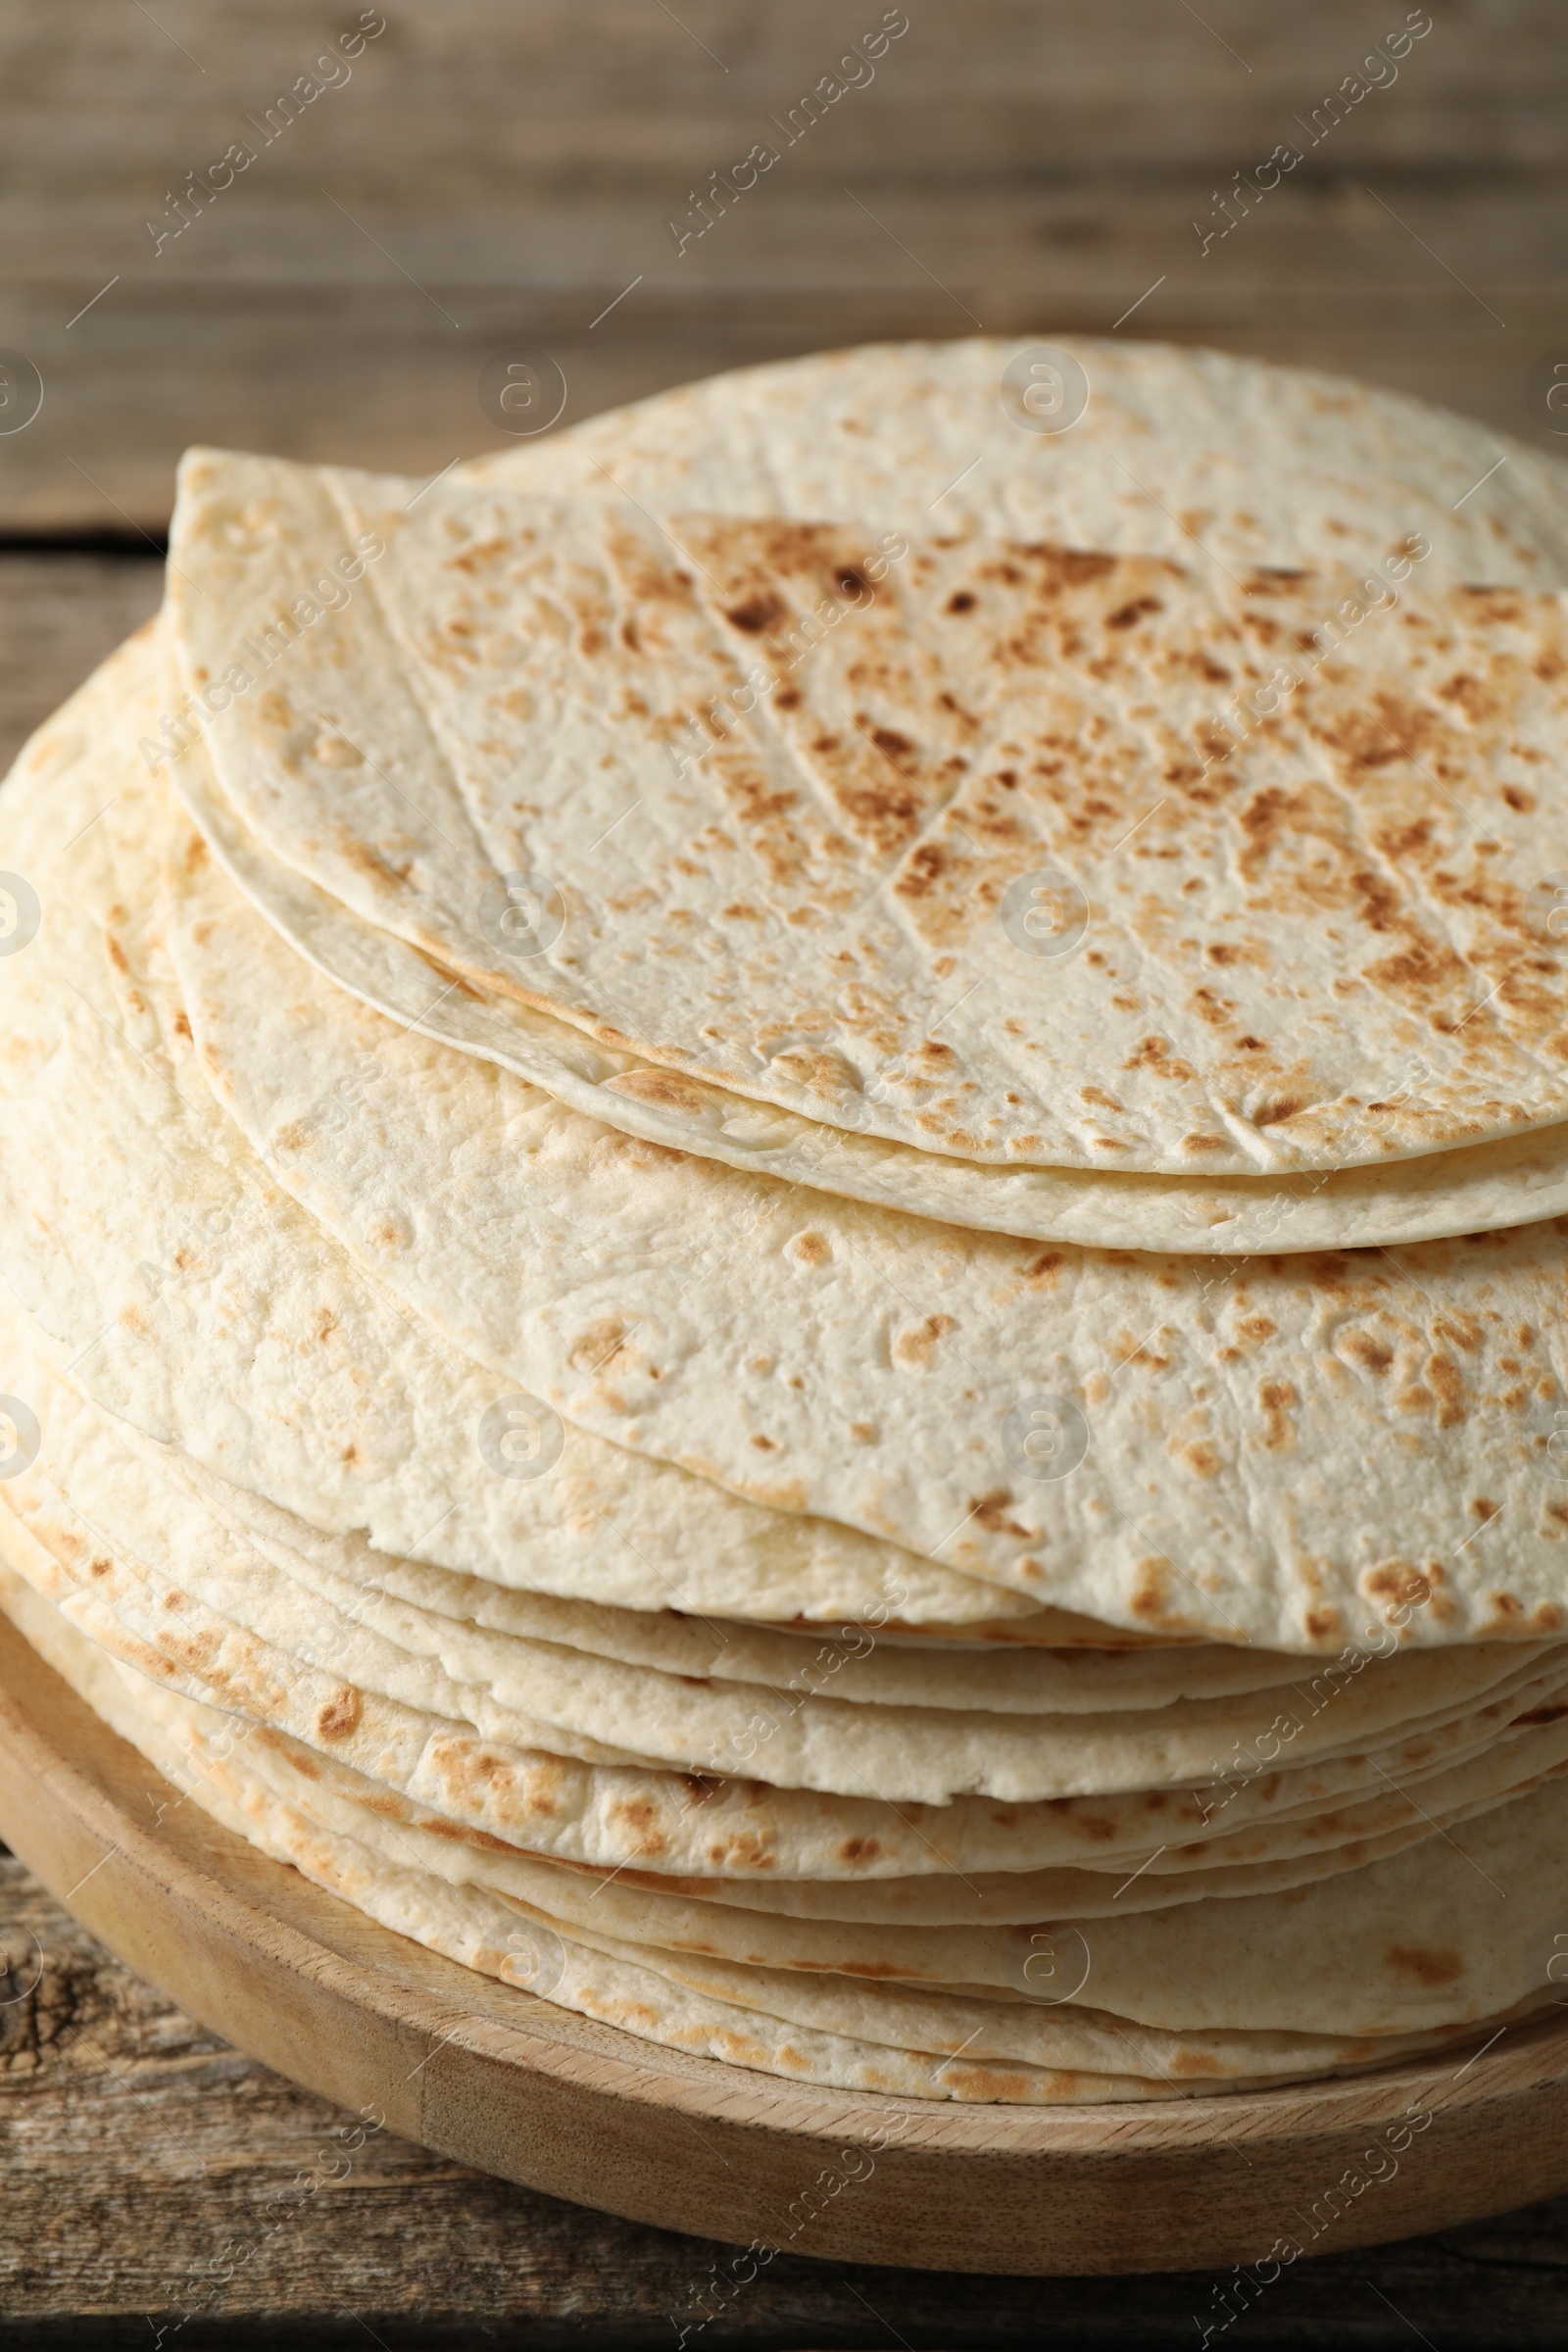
785,1192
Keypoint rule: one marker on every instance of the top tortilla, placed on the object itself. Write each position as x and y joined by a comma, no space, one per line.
1314,947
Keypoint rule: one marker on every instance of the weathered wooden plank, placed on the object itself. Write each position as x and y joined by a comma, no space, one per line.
60,614
476,96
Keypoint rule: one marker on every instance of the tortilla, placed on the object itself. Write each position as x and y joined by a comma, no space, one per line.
791,917
1261,463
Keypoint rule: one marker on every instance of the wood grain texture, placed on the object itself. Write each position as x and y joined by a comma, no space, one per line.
491,175
60,614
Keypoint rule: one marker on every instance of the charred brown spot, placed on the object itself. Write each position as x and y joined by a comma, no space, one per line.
1398,1580
1427,1967
890,740
338,1715
989,1512
1443,1377
913,1348
764,610
1127,616
1276,1396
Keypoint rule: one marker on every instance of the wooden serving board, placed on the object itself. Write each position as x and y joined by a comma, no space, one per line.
497,2079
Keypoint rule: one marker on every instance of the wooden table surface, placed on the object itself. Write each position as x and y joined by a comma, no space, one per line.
152,2180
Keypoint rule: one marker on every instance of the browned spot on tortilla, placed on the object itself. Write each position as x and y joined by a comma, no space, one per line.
1127,616
595,1349
859,1849
810,1249
764,610
338,1715
1443,1377
913,1346
1397,1581
1427,1967
1155,1053
666,1088
988,1510
371,863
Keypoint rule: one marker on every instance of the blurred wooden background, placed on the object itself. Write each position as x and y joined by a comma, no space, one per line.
494,172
